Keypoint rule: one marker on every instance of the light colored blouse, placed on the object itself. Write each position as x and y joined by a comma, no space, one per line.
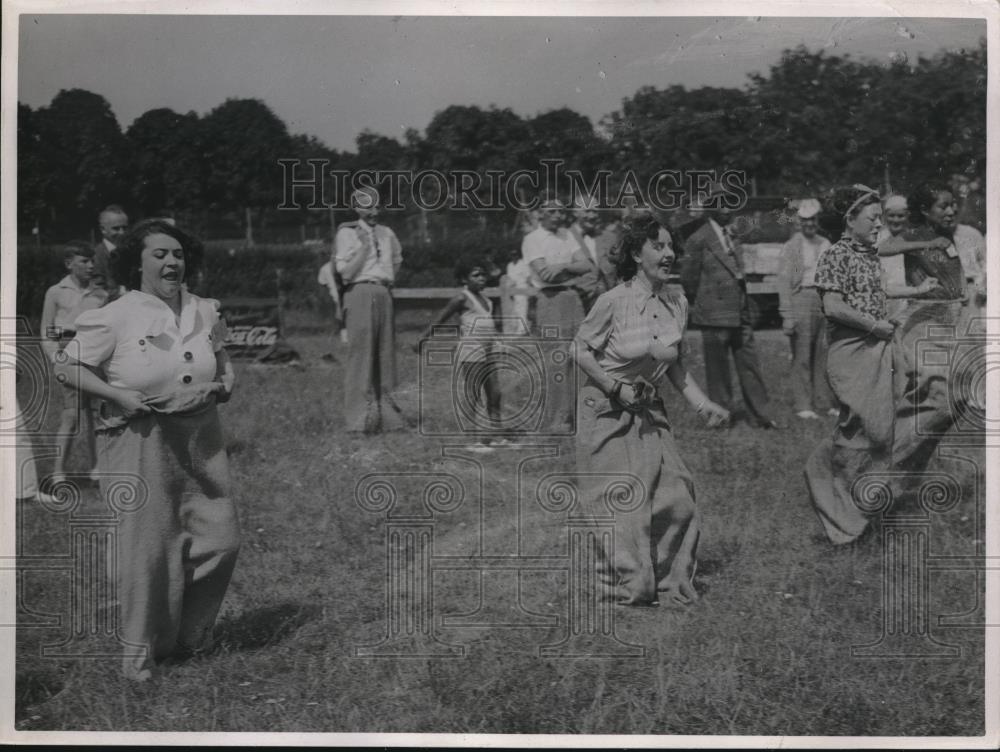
634,332
139,344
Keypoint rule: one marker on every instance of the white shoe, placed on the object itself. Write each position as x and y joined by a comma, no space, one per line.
807,415
834,411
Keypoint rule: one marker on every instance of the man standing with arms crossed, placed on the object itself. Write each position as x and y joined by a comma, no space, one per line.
557,263
367,256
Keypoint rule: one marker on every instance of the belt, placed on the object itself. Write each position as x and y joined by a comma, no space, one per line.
378,282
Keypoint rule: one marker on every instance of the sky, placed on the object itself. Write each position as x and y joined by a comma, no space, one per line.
333,76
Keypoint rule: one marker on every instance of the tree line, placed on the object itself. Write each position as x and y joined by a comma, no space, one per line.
812,121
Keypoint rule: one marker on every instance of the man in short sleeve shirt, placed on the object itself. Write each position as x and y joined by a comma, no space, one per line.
557,264
367,255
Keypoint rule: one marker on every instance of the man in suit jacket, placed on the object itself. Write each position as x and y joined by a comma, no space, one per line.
586,234
713,279
113,222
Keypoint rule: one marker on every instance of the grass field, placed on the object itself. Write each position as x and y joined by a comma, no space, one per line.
767,649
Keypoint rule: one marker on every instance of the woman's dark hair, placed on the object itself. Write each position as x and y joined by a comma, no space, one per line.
924,197
128,261
846,202
634,236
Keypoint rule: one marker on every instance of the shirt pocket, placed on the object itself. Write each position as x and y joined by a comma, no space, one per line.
134,353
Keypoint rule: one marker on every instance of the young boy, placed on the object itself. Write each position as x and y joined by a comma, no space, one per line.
64,301
477,371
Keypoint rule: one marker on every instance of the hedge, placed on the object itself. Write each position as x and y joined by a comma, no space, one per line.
230,270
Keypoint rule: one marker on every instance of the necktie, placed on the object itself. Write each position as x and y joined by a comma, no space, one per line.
378,251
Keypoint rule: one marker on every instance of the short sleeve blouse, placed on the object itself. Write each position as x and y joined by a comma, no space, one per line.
139,344
634,332
855,272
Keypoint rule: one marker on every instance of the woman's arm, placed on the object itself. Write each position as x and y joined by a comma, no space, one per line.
897,290
685,384
224,375
836,309
84,378
894,245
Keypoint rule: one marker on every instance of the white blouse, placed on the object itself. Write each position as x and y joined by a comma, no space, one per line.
139,344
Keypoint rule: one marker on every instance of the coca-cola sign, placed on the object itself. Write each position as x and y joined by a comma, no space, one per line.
254,325
252,336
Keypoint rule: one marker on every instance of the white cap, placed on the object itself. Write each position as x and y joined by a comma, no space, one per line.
808,208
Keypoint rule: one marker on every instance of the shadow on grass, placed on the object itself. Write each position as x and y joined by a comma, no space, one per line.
264,626
34,688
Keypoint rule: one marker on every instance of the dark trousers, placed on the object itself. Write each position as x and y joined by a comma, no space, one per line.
718,342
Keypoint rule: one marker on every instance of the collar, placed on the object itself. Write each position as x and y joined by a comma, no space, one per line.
162,317
108,244
70,282
856,245
642,290
370,228
720,231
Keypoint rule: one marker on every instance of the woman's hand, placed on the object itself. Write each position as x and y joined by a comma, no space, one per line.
131,401
883,330
715,415
927,285
223,391
940,243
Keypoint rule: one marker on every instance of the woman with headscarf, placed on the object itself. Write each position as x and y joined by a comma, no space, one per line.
859,365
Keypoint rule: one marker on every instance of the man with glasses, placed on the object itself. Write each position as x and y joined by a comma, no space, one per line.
367,256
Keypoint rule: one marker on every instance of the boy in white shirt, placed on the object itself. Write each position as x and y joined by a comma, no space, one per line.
64,302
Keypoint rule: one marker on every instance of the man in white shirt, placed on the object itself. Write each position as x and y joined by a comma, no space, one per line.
557,264
367,255
802,314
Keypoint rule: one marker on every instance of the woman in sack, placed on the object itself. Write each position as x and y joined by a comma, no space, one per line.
859,366
629,344
154,359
